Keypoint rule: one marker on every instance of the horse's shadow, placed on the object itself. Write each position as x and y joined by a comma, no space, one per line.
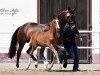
66,70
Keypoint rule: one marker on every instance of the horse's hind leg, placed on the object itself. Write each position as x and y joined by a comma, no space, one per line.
21,45
42,52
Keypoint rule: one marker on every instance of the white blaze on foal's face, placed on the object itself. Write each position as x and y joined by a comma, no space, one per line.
57,23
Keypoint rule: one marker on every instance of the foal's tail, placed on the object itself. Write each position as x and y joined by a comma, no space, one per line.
13,44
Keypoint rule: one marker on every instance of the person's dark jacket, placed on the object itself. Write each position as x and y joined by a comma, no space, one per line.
70,33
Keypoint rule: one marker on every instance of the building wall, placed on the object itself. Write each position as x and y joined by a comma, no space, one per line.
96,30
14,13
83,19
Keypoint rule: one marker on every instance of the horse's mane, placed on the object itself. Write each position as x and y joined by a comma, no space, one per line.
44,27
63,12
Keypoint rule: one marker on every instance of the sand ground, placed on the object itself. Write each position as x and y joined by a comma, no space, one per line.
10,69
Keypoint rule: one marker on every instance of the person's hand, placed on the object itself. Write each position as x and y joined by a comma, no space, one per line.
81,39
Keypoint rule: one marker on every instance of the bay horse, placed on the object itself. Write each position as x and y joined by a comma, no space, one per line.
21,34
46,39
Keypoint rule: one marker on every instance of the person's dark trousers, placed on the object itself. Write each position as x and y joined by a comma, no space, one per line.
73,52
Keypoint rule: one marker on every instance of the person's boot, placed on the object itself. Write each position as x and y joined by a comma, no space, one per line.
65,63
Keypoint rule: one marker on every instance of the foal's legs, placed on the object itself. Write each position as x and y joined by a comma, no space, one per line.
44,58
29,51
41,55
34,59
30,56
56,54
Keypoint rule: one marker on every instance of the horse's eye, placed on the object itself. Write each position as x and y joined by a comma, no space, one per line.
54,21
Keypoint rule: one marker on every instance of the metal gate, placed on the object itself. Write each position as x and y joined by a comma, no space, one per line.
48,8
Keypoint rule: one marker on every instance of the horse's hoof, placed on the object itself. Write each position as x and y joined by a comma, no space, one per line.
60,68
18,68
26,69
36,66
49,69
46,64
53,68
17,65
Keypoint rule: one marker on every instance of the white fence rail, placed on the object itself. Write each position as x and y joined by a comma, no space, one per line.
5,38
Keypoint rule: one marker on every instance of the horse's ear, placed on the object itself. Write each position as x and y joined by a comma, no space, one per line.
74,10
69,9
54,16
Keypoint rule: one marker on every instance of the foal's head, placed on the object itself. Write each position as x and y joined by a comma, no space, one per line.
55,22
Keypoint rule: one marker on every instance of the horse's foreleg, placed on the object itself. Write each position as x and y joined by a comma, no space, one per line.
42,52
19,53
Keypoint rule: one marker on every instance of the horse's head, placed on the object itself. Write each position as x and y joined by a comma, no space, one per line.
55,22
71,18
66,16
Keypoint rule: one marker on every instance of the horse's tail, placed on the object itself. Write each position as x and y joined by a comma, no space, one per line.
13,45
